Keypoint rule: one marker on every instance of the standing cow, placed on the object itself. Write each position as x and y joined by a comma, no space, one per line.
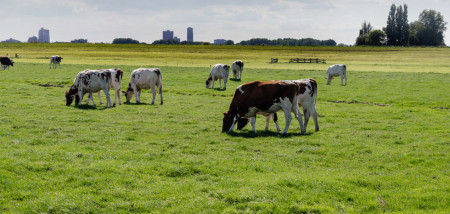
55,60
89,81
6,62
237,67
218,72
116,83
268,97
144,78
337,70
307,98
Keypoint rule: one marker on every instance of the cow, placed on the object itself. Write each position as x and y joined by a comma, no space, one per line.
144,78
6,62
218,72
116,83
55,60
237,67
337,70
307,98
262,96
89,81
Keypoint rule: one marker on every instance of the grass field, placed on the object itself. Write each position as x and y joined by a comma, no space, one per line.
383,144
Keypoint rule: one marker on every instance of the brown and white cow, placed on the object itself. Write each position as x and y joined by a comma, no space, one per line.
89,81
144,78
267,97
218,72
116,83
307,98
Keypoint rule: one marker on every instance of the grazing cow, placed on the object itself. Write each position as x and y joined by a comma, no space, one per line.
55,60
116,83
337,70
267,97
144,78
6,62
218,72
89,81
307,98
237,67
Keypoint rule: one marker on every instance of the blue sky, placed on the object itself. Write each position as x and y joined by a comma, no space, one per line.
104,20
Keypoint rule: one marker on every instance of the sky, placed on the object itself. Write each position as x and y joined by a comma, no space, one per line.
237,20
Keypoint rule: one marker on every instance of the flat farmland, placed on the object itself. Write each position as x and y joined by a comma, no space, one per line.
383,144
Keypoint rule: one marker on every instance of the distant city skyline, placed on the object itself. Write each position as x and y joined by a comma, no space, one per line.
103,21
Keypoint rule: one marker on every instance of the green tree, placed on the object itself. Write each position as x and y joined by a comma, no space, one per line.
432,26
391,26
376,38
366,27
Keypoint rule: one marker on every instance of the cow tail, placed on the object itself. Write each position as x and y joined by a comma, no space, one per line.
159,82
314,88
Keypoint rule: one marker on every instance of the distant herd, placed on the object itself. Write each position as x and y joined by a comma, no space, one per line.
250,99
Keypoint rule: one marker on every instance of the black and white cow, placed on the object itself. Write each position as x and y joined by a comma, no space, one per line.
267,97
337,70
6,62
144,78
218,72
89,81
116,83
237,67
55,60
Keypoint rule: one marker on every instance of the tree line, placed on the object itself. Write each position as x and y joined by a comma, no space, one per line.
427,31
255,41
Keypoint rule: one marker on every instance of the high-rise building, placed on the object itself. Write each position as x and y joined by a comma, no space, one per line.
168,34
33,39
190,34
44,35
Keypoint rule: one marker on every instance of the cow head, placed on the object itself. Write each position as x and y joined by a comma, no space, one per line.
12,63
70,94
208,82
228,121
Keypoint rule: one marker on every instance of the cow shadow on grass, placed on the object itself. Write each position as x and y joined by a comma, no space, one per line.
263,133
89,107
219,89
235,80
137,104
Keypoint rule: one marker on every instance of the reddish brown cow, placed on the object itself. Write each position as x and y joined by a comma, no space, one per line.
266,97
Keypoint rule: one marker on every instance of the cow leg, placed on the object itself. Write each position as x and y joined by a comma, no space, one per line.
90,97
342,79
108,97
220,83
345,76
154,94
225,84
253,122
275,120
117,91
267,122
288,117
306,112
99,98
314,116
80,94
160,93
213,83
328,79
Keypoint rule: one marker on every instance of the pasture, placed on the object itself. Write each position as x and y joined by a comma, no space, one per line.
383,144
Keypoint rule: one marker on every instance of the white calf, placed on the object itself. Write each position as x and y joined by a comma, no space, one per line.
218,72
337,70
116,83
55,60
237,67
89,81
144,78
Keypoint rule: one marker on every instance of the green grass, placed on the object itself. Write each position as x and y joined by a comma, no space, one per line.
383,143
